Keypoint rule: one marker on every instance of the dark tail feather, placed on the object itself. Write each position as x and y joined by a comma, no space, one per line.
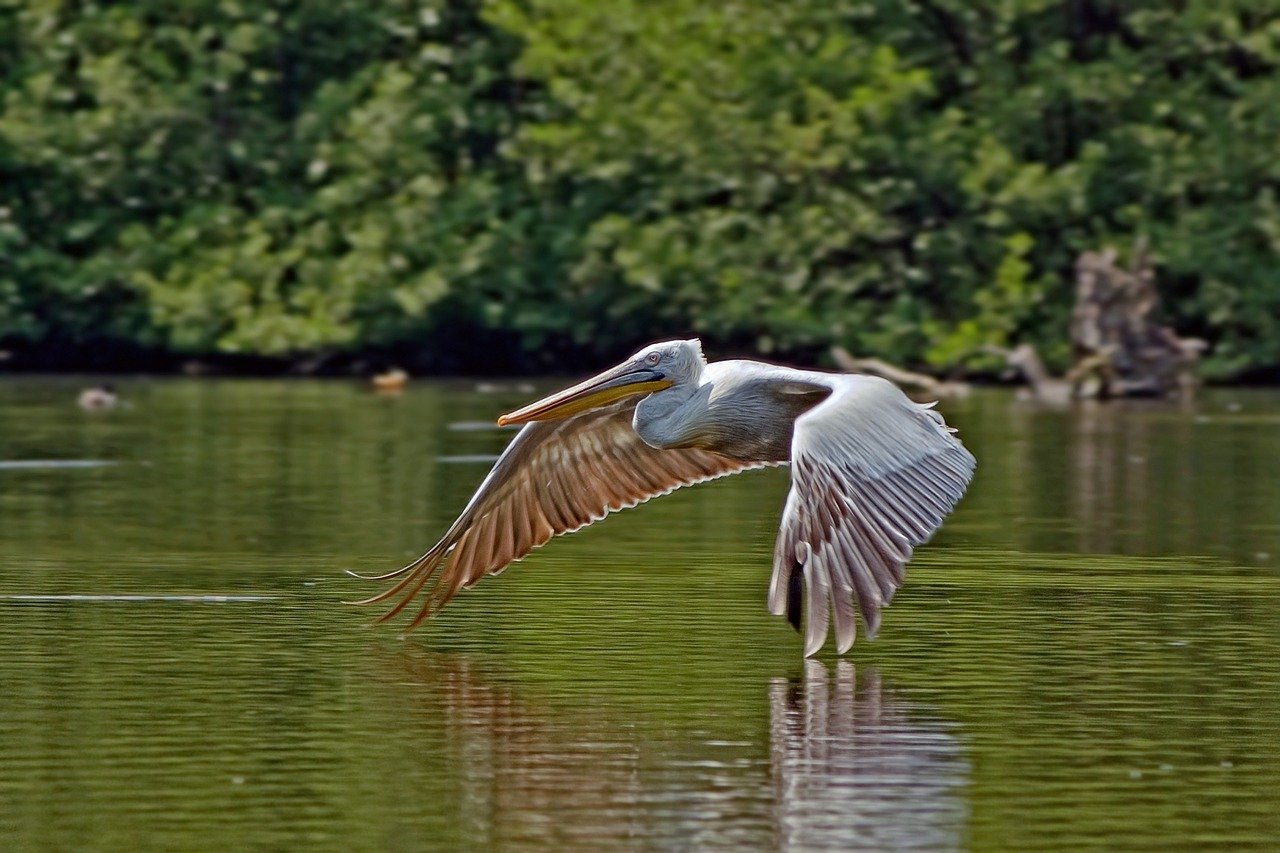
795,589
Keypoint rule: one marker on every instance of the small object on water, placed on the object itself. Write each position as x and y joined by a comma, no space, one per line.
195,367
98,398
872,476
392,380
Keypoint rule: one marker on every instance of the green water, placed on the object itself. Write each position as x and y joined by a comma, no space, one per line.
1087,655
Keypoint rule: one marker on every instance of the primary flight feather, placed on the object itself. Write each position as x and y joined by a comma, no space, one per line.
873,475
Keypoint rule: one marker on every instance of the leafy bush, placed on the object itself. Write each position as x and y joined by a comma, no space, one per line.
910,180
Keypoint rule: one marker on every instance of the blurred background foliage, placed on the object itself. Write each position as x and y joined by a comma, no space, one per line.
492,185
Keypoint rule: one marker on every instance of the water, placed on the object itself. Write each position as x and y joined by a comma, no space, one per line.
1087,655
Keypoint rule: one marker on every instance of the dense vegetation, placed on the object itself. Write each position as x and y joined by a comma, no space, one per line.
526,177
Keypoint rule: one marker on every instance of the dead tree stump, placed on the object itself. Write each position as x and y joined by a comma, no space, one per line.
1120,349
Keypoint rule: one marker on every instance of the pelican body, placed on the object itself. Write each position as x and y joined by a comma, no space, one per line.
873,474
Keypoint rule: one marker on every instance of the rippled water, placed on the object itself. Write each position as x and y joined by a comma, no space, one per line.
1087,655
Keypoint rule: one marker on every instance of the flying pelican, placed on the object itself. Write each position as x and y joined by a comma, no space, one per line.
872,476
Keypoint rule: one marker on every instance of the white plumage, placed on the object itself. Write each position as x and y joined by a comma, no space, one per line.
873,475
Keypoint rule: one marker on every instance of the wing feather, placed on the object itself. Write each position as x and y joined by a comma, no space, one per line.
865,586
846,626
817,598
555,477
873,476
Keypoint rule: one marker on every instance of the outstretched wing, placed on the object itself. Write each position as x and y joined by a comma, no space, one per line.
555,477
872,476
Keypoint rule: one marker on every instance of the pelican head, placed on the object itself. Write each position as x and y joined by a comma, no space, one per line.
653,368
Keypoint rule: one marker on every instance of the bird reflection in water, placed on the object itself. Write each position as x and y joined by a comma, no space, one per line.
847,765
854,767
520,772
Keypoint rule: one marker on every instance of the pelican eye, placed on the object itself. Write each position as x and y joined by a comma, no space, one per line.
652,358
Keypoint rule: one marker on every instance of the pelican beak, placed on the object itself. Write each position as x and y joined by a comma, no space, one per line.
630,377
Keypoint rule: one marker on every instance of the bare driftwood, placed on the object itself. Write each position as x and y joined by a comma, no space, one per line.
903,378
1083,380
1042,386
1119,348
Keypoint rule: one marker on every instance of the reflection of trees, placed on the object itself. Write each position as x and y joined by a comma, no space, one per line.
849,765
1144,477
853,767
1104,485
1128,477
1131,468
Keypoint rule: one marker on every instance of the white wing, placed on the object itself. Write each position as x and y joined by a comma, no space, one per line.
873,475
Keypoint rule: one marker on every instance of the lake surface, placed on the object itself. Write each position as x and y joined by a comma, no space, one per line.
1088,654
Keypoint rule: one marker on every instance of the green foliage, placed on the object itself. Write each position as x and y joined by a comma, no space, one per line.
248,180
911,180
1001,308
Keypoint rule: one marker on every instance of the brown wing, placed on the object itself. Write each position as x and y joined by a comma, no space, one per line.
555,477
872,476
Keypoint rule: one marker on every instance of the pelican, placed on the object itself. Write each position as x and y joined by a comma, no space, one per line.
872,476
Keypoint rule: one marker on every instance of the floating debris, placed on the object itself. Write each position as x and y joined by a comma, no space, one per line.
392,380
98,398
